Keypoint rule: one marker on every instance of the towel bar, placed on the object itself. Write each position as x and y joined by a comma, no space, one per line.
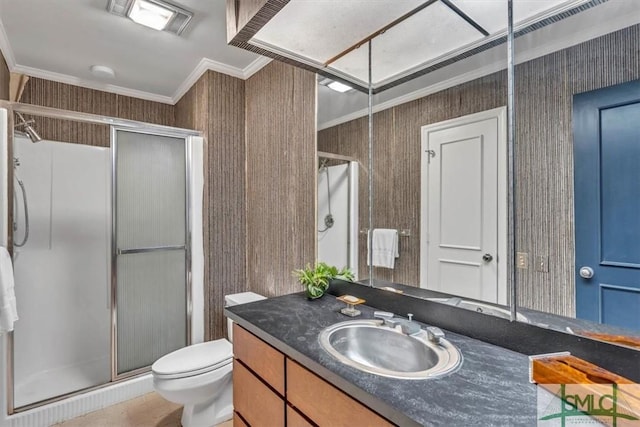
405,232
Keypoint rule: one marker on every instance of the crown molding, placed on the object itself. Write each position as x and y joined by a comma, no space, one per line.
5,48
203,66
207,64
255,66
71,80
417,94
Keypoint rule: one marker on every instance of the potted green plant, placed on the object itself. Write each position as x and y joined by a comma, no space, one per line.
316,279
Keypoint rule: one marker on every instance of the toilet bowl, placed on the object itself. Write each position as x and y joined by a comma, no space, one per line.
200,376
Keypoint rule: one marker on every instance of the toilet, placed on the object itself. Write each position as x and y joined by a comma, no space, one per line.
199,376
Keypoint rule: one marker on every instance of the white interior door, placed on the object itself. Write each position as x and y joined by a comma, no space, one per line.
464,207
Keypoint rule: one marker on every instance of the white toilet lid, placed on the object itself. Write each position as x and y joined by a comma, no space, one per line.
194,360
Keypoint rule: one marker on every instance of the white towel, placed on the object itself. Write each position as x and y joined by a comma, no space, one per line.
385,248
8,310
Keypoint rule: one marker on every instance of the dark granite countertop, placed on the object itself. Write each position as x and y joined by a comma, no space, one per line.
491,388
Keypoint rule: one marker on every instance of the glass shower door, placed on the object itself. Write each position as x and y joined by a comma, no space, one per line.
150,248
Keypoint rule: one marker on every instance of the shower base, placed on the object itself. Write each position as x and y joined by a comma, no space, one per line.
81,404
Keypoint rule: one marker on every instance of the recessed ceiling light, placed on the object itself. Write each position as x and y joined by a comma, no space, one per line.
150,14
339,87
157,14
102,71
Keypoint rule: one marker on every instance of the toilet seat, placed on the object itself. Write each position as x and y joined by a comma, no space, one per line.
194,360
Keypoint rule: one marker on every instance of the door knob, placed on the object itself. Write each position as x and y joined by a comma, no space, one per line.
487,257
586,272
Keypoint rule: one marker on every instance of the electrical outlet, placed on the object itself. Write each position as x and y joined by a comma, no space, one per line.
542,263
522,260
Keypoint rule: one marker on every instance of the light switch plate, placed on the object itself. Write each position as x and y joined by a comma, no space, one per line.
522,260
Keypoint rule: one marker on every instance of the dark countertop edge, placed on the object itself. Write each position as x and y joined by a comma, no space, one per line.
355,392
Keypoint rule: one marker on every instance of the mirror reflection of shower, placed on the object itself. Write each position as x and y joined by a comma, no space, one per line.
337,204
328,218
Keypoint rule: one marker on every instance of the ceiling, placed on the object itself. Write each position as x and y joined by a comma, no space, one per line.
610,16
60,39
425,32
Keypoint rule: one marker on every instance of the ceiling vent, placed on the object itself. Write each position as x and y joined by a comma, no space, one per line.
172,18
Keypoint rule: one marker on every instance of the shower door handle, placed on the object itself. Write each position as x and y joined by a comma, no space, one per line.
150,249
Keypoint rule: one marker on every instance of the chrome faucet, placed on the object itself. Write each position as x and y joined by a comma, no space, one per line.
434,334
407,326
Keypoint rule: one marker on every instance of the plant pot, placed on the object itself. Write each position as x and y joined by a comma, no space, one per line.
314,292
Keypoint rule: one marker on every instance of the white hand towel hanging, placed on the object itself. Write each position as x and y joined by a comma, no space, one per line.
8,309
385,248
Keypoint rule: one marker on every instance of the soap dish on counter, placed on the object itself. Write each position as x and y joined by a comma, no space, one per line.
351,301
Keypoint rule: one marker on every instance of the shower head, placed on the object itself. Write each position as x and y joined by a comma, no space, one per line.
28,129
323,165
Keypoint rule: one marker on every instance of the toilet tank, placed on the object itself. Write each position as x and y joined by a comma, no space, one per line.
237,299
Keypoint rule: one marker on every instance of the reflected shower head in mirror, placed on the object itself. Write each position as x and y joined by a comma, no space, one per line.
27,129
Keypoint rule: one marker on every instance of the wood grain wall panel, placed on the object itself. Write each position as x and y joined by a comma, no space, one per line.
145,111
226,199
192,112
63,96
215,105
543,157
48,93
543,164
4,79
281,153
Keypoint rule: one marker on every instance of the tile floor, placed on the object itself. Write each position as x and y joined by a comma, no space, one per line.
149,410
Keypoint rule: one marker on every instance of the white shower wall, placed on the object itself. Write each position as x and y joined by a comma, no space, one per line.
62,272
337,245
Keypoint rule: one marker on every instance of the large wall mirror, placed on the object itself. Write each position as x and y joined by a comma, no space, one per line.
438,160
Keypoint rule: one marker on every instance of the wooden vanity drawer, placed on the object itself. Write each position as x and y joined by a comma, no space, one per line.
294,419
263,359
237,421
324,404
256,402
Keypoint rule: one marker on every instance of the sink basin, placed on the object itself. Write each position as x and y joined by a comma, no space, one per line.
480,308
371,347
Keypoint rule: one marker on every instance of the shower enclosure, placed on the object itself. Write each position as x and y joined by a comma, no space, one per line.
102,228
337,201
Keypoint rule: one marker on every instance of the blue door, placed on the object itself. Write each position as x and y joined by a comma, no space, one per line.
606,141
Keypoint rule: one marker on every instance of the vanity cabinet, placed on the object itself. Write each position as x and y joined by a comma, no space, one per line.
270,389
325,404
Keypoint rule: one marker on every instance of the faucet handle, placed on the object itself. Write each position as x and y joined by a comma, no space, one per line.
434,334
382,315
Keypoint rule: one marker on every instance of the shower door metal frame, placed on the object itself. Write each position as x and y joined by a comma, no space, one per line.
131,125
115,252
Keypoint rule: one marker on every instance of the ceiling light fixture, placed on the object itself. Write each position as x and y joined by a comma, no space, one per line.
102,71
150,14
339,87
157,14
